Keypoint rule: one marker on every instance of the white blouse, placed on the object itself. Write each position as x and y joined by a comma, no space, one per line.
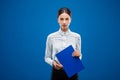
58,41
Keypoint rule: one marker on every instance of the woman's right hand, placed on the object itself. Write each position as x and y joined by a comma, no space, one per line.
57,65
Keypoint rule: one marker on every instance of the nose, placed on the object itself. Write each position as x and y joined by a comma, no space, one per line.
64,21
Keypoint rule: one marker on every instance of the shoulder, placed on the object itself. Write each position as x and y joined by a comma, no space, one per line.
76,35
52,35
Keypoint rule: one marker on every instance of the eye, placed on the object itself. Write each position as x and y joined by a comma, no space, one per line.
61,18
67,18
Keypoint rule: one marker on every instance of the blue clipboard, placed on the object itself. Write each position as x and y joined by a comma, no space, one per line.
71,65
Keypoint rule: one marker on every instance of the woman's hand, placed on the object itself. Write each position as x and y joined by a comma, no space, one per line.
57,65
76,53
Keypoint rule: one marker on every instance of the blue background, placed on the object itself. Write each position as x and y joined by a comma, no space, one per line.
25,24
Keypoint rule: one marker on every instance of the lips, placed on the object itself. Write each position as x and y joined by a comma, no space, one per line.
64,25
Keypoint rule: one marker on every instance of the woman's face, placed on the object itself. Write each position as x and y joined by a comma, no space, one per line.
64,20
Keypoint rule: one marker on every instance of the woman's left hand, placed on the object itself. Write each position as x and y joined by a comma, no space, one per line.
76,53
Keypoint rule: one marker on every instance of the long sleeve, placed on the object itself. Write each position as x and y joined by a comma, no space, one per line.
78,45
48,51
58,41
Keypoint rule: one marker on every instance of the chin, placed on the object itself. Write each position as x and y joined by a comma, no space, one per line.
64,27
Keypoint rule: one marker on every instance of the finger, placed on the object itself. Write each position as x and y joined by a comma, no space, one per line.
76,53
58,68
57,65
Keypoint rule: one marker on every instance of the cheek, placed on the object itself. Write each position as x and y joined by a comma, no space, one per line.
60,22
68,22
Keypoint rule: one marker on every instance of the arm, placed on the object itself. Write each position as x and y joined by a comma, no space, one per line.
77,51
48,55
48,51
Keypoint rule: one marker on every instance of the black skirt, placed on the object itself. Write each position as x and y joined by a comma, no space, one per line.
61,75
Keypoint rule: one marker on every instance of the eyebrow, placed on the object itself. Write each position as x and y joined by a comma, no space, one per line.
67,18
64,18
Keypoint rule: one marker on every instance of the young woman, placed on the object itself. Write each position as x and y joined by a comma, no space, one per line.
58,41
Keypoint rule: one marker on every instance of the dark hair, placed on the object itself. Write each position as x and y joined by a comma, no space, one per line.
64,10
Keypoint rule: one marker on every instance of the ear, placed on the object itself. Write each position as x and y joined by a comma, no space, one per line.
58,19
70,20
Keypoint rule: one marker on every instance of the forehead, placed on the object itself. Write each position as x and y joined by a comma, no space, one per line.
64,15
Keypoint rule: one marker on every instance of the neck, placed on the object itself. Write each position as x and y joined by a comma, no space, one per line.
64,30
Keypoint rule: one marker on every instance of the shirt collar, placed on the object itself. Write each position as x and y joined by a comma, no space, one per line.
64,33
